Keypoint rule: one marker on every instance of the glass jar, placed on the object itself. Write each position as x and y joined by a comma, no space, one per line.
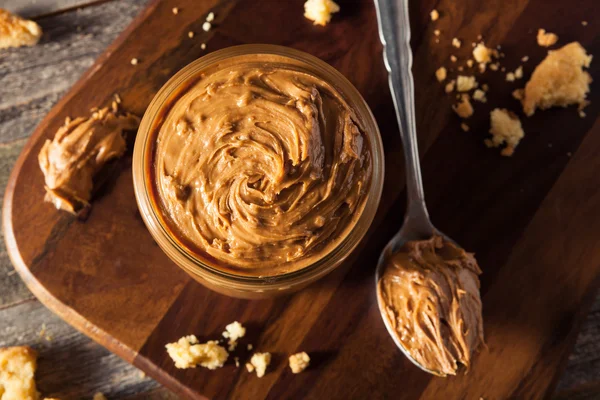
226,282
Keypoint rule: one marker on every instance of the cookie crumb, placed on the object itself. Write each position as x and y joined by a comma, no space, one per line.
465,83
518,94
440,74
134,61
190,34
434,14
206,26
453,58
463,109
510,77
464,127
175,10
17,370
546,39
298,362
482,54
519,72
559,80
584,23
450,86
210,17
187,352
479,95
470,63
506,130
233,332
456,43
485,87
42,331
436,32
319,11
259,363
525,59
203,46
16,31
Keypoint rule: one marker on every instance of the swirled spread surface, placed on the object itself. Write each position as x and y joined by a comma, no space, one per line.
263,168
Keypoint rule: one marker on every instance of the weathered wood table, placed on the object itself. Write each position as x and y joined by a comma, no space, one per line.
31,81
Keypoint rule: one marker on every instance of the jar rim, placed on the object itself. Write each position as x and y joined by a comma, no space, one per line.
196,266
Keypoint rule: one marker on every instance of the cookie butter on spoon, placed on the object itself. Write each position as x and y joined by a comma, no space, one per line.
430,292
427,286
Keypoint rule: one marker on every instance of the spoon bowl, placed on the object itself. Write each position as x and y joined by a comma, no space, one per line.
393,246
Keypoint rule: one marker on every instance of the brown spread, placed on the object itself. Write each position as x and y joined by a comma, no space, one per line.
430,291
260,167
80,148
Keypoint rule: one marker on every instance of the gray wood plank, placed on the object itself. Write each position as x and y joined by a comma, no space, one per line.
71,366
583,366
584,392
12,288
35,8
33,79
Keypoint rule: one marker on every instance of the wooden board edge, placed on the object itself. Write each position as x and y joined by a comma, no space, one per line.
164,379
66,313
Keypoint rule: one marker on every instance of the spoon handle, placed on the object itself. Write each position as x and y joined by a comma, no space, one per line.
394,32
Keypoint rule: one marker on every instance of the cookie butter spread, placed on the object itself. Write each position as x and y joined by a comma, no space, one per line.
261,167
430,292
80,148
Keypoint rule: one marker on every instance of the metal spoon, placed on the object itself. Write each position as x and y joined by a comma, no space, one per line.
394,32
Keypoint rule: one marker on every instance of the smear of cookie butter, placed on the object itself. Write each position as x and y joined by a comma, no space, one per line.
430,291
261,167
80,148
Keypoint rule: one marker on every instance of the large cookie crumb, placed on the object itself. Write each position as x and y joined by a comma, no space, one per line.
16,31
559,80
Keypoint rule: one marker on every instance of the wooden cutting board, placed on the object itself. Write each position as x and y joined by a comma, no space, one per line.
533,219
